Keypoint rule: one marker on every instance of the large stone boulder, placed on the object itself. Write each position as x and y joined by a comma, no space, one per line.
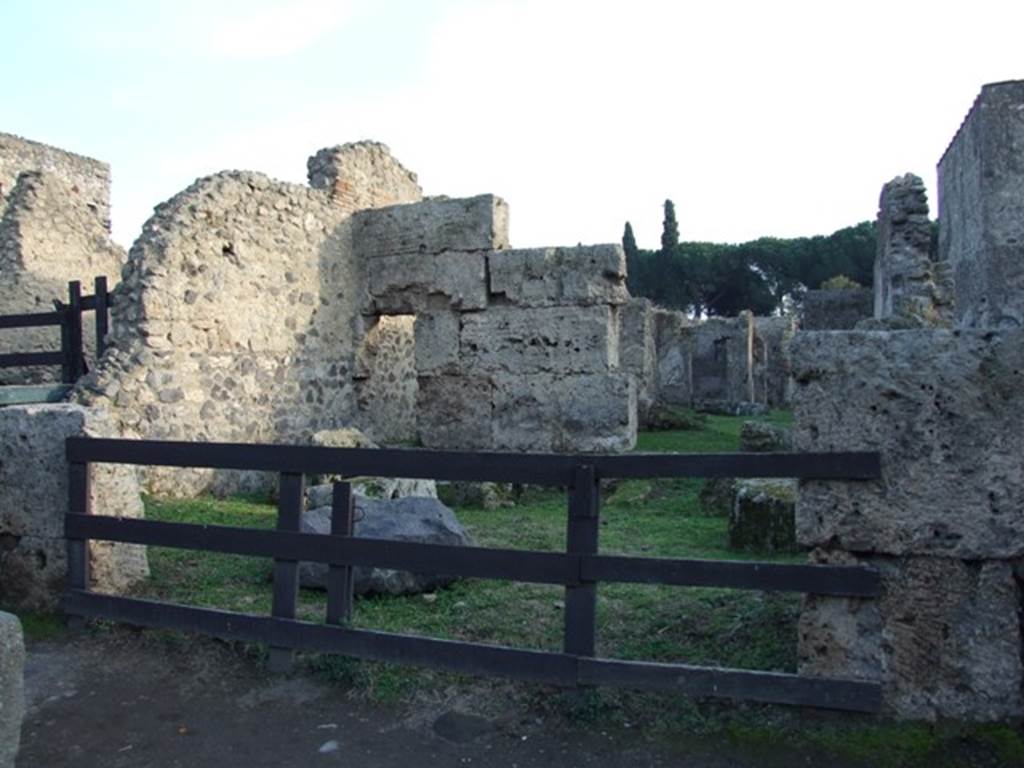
12,692
416,519
763,516
758,437
476,494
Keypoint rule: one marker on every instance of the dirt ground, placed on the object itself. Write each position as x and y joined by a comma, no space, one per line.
120,699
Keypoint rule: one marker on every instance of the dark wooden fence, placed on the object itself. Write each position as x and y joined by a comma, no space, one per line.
71,355
579,569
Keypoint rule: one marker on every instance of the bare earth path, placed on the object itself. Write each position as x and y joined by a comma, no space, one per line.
116,700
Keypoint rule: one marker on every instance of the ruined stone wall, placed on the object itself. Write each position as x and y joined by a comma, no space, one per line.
34,500
87,180
719,360
673,350
54,228
385,379
238,320
235,321
773,368
943,525
638,351
911,290
836,310
362,175
515,349
981,209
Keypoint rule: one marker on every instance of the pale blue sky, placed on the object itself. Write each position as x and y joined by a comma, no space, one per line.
756,118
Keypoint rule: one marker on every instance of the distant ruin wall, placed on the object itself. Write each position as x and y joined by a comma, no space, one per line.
836,310
54,228
981,210
87,180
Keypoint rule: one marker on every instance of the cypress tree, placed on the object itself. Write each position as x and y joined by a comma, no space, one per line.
629,243
669,230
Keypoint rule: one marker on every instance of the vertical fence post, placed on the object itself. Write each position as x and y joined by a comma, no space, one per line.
71,334
339,577
102,319
79,503
286,572
582,535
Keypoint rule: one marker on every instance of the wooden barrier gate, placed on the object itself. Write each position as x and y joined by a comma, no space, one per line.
71,355
579,569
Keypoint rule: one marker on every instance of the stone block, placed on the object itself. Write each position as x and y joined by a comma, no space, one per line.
943,409
432,226
542,277
944,639
575,413
540,340
34,499
454,412
762,516
437,342
12,687
411,284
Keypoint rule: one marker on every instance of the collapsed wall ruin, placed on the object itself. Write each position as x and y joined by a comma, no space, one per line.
912,290
54,228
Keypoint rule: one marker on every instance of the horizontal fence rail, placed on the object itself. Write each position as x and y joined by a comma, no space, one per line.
533,468
579,569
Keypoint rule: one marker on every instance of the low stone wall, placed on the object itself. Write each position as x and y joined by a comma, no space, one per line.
34,500
12,687
943,525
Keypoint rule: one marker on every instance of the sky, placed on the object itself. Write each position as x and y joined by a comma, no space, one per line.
756,118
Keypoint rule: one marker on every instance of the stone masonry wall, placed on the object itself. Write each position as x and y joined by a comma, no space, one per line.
514,349
54,228
87,179
911,290
235,321
34,500
981,209
238,317
772,372
638,351
943,525
362,175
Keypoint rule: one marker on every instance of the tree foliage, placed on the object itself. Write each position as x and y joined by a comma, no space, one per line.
766,275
